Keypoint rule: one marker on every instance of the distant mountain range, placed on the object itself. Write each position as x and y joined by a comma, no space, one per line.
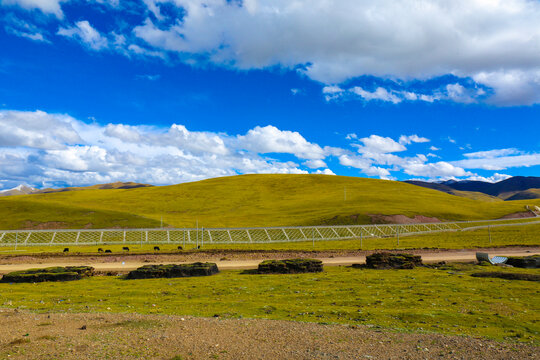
19,190
25,189
514,188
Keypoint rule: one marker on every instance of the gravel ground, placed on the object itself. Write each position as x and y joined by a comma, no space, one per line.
233,255
26,335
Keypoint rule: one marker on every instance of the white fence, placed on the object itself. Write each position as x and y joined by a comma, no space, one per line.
203,236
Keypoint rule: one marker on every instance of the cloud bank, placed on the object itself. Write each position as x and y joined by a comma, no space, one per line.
45,149
490,46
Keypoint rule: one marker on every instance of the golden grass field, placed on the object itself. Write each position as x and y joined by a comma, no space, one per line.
246,200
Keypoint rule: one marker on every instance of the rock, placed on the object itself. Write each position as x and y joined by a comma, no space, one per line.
386,260
290,266
57,273
527,262
173,271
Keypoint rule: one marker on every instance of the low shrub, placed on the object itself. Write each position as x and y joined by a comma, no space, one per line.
56,273
527,262
386,260
173,271
507,276
290,266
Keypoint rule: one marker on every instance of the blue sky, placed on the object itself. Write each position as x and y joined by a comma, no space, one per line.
168,91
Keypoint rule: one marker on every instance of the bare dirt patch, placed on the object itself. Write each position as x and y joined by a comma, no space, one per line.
134,336
401,219
49,225
519,215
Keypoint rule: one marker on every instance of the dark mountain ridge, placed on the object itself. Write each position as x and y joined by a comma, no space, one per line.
505,189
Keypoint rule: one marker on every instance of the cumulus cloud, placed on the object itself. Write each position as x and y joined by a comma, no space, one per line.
37,130
433,170
491,46
270,139
406,140
48,149
86,34
54,149
380,145
492,179
315,164
493,42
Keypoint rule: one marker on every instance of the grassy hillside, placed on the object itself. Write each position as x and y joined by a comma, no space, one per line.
522,195
476,195
250,200
19,213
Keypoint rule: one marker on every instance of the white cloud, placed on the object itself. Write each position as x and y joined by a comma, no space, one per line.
85,33
351,136
492,153
18,27
270,139
324,172
492,179
46,6
315,164
380,145
500,163
433,170
406,140
379,94
494,42
48,149
433,148
37,130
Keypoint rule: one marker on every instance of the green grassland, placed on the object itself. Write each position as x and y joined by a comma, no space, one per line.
447,301
247,200
526,235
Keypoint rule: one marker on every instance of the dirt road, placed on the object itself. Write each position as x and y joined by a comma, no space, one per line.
128,263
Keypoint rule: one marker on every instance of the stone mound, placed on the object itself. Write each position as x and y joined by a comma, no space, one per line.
290,266
173,271
386,260
507,276
56,273
527,262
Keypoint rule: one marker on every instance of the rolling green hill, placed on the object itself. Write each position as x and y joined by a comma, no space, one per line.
247,200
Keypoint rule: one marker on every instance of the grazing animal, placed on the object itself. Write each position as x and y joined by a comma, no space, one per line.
180,248
66,250
156,248
99,250
125,248
108,251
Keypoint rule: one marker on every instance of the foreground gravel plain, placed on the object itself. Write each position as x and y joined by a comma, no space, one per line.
27,335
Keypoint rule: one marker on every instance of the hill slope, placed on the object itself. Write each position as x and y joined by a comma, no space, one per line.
256,200
505,189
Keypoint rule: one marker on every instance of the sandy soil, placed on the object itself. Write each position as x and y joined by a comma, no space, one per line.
234,260
25,335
